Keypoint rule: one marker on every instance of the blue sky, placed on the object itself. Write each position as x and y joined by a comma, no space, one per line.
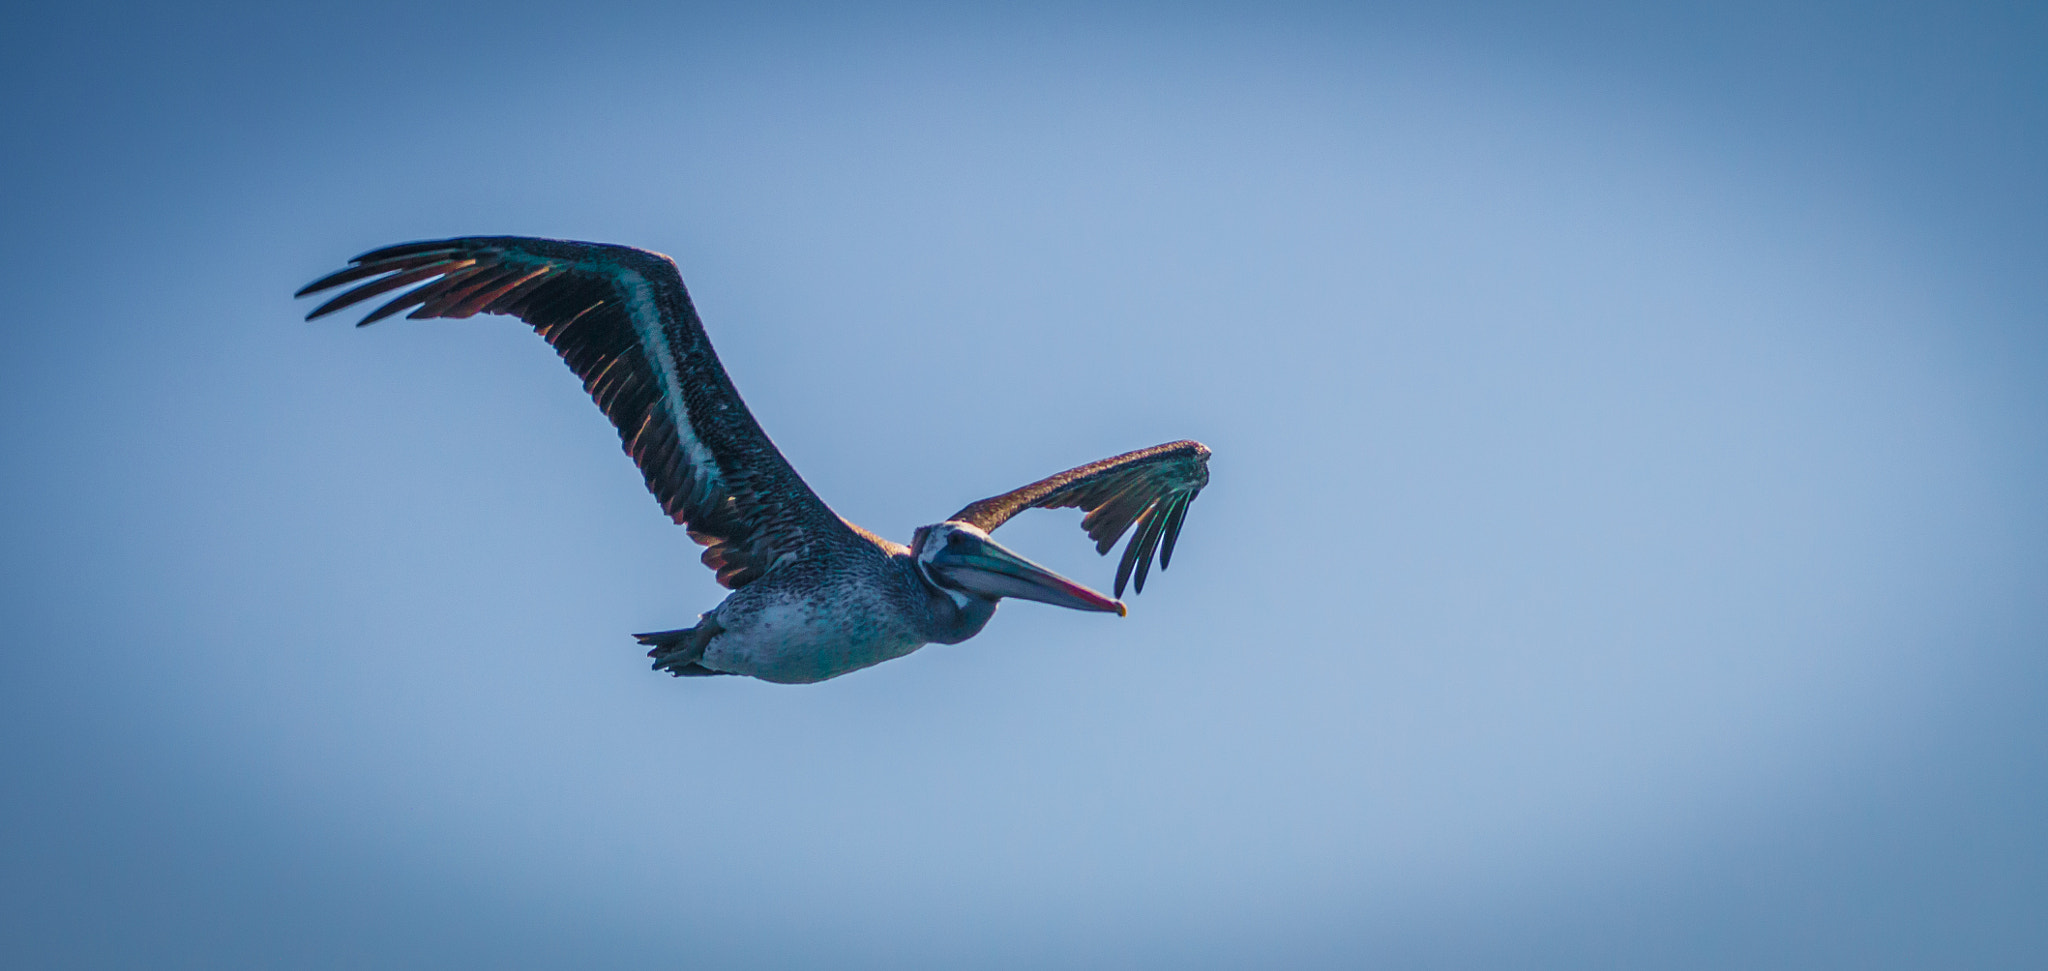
1625,545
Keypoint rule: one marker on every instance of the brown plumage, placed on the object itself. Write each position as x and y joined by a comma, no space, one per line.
702,454
1150,488
814,596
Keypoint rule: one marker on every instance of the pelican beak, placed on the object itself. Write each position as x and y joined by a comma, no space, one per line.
979,565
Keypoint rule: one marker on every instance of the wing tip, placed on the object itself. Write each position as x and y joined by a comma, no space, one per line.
415,248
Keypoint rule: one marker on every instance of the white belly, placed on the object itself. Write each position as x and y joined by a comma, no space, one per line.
796,640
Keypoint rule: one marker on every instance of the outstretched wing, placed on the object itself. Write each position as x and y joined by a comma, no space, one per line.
622,321
1150,488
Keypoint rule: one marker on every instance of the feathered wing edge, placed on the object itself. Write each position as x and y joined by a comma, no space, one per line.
1149,489
621,319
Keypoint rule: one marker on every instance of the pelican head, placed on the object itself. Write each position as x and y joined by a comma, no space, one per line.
963,561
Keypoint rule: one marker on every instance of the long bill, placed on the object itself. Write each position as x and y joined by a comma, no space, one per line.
982,566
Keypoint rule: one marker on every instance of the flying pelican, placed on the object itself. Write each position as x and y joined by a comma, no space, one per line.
813,595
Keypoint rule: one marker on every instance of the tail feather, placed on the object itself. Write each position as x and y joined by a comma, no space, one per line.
679,651
664,641
690,670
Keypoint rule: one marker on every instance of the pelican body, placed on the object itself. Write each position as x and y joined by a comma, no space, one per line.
813,595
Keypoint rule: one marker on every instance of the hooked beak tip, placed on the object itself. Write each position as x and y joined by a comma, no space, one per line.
1121,610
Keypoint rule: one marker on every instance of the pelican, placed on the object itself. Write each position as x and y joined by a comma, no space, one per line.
813,595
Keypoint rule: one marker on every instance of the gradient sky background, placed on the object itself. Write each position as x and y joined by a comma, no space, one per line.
1625,549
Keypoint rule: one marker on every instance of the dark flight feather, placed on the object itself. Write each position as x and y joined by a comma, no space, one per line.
621,319
1150,488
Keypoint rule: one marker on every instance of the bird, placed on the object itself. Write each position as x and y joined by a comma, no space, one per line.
813,596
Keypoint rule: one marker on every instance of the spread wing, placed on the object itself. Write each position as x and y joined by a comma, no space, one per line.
1149,488
622,321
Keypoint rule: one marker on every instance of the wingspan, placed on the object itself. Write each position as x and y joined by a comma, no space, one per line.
1150,488
622,321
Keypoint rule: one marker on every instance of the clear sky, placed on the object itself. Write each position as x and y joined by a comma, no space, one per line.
1626,545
